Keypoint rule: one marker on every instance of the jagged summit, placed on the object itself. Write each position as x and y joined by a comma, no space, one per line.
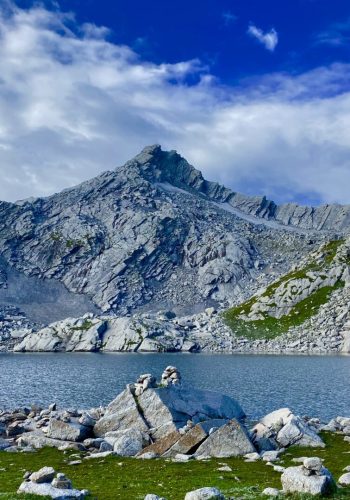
158,166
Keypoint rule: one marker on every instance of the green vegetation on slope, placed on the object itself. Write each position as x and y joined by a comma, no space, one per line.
271,327
128,478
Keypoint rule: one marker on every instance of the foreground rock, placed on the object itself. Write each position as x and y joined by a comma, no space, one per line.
46,482
311,478
281,429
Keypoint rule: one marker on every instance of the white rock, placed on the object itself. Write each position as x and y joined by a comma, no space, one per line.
271,492
205,494
344,480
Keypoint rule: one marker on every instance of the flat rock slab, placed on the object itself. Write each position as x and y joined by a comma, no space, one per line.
38,441
230,440
163,444
188,441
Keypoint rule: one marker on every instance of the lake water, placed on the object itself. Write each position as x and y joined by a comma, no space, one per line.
313,385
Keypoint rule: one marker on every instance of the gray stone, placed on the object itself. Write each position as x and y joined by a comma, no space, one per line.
45,489
44,475
271,492
121,414
344,480
67,431
207,493
127,443
295,481
230,440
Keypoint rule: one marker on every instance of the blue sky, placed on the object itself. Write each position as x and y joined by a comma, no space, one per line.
255,94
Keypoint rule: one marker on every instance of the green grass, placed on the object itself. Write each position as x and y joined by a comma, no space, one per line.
271,327
330,250
122,478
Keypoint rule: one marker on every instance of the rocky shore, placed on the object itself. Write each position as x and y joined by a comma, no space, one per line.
167,419
327,332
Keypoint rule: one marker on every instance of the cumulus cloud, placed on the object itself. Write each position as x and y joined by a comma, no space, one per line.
269,39
73,104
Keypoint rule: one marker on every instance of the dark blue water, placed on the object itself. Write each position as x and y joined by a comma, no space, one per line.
313,385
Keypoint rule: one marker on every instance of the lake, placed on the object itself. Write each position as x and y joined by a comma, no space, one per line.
312,385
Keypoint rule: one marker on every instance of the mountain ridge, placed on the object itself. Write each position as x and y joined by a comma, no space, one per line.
156,165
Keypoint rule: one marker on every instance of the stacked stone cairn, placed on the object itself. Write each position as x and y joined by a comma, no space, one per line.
144,382
171,376
45,482
311,477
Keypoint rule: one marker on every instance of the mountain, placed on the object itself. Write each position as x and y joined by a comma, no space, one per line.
151,235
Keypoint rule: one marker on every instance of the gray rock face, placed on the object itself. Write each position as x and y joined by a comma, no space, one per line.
121,414
231,440
127,443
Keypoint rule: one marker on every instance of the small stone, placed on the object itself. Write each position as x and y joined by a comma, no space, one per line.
271,492
44,475
270,456
313,464
205,494
344,480
61,482
149,455
225,468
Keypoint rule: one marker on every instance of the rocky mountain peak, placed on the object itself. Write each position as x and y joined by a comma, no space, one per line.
158,166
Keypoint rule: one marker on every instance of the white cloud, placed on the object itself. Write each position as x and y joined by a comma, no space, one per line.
268,39
73,104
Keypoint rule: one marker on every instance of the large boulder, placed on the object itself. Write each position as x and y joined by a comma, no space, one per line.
168,409
67,431
281,429
122,413
161,411
230,440
311,478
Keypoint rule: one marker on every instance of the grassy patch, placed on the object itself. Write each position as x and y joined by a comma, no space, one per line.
87,324
271,327
330,250
127,478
